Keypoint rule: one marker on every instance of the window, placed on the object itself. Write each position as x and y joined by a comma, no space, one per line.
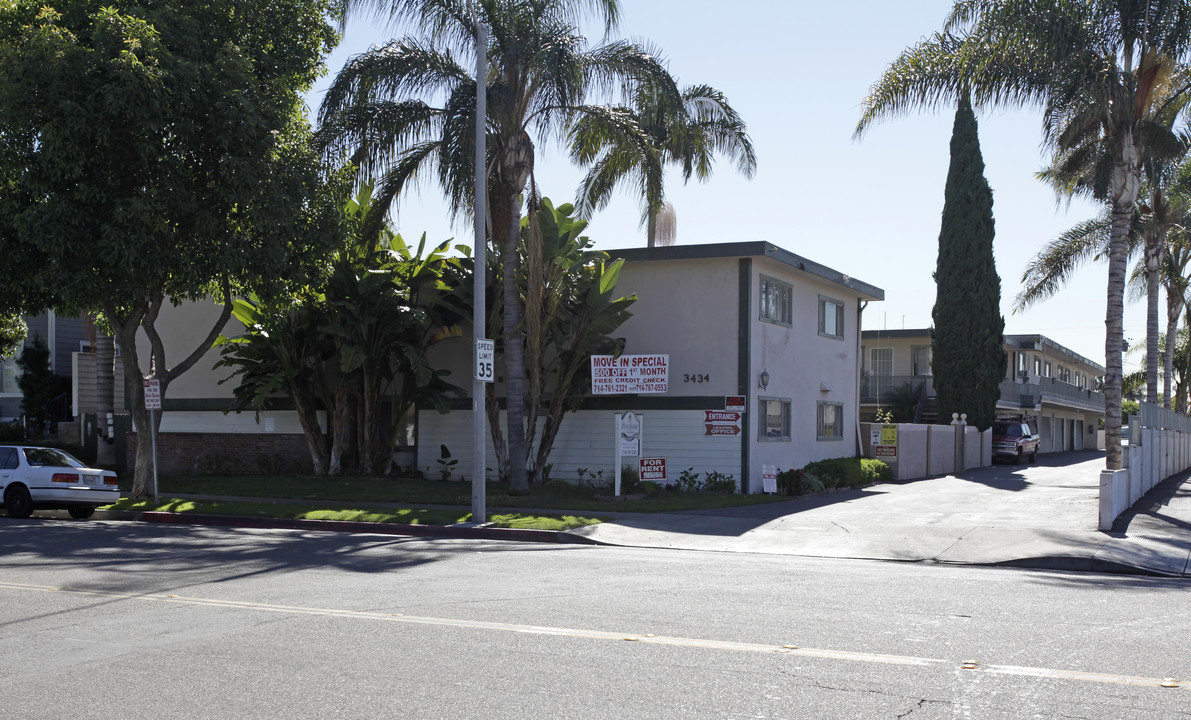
9,372
920,358
830,421
1037,366
881,361
831,318
775,413
1046,369
775,301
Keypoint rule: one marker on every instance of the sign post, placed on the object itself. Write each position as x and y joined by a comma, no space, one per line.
153,403
628,441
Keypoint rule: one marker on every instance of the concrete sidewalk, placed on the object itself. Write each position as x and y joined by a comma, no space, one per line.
1042,515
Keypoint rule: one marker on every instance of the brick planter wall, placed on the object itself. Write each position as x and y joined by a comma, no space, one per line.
228,454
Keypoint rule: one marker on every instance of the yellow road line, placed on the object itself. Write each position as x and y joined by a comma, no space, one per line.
818,653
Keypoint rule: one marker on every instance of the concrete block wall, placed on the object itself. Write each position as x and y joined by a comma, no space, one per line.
228,454
1159,447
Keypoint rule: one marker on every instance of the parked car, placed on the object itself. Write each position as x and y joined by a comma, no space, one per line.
39,478
1013,438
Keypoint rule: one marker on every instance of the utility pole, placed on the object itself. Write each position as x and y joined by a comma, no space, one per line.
484,355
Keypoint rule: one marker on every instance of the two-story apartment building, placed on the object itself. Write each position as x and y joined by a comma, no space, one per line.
735,319
1053,386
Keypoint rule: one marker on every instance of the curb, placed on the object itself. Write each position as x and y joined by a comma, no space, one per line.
441,531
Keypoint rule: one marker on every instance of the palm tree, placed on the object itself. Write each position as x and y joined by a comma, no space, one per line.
1092,67
407,108
635,143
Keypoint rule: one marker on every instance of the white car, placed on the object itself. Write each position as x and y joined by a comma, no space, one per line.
38,478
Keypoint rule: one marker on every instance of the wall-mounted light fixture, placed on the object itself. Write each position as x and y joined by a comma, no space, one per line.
764,379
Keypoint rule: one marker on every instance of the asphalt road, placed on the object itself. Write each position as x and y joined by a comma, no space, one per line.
125,620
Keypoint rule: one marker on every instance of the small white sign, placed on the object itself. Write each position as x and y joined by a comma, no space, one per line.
152,395
769,478
485,360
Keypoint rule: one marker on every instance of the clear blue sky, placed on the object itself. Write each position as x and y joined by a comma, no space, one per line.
869,209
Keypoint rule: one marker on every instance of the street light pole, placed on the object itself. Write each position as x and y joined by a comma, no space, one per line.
479,427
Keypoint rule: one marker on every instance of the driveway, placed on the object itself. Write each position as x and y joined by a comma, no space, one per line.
1040,514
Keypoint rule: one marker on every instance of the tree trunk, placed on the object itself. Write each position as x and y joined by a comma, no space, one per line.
1173,311
1124,194
514,354
1153,249
105,404
339,424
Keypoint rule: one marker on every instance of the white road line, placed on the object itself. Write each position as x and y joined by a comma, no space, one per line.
824,654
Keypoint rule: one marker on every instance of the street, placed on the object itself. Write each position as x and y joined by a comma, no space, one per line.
129,620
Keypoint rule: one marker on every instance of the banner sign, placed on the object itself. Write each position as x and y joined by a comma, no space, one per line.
640,374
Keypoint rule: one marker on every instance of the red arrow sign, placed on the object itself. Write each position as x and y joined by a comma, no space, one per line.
721,429
720,416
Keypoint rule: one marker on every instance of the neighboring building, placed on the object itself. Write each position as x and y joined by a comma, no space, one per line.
729,316
1047,383
64,336
736,319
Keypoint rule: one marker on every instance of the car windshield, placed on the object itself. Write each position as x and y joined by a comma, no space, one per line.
38,457
1008,430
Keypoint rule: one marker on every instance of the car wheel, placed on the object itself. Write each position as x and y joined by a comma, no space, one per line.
1034,456
18,503
82,512
1017,457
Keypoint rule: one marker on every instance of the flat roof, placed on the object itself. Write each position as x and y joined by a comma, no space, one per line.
749,249
1023,342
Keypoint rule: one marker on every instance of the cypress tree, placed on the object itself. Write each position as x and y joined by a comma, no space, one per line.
967,345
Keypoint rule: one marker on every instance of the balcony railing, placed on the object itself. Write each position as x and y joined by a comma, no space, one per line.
880,388
1051,390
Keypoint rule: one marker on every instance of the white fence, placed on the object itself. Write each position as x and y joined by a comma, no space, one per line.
1159,447
929,450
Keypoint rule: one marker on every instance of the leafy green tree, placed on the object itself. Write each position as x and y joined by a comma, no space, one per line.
571,311
1092,66
409,107
359,337
967,343
153,151
12,334
39,387
635,143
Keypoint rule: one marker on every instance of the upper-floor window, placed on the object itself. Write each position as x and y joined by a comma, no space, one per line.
920,359
1046,370
9,372
776,299
1037,366
831,317
881,361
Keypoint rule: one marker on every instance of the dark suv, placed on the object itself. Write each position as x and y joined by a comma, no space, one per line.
1014,439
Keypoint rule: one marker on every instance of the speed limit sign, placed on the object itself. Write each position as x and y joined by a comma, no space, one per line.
485,359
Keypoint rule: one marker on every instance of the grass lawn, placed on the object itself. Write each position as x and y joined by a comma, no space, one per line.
321,511
554,496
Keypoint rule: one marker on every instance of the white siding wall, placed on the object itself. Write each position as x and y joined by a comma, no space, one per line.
585,440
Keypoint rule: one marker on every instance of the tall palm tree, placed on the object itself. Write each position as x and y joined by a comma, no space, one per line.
1092,66
408,108
634,144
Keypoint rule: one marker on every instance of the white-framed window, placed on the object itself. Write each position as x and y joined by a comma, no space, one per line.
775,418
881,361
830,421
831,318
1046,369
920,359
776,301
1037,366
9,372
